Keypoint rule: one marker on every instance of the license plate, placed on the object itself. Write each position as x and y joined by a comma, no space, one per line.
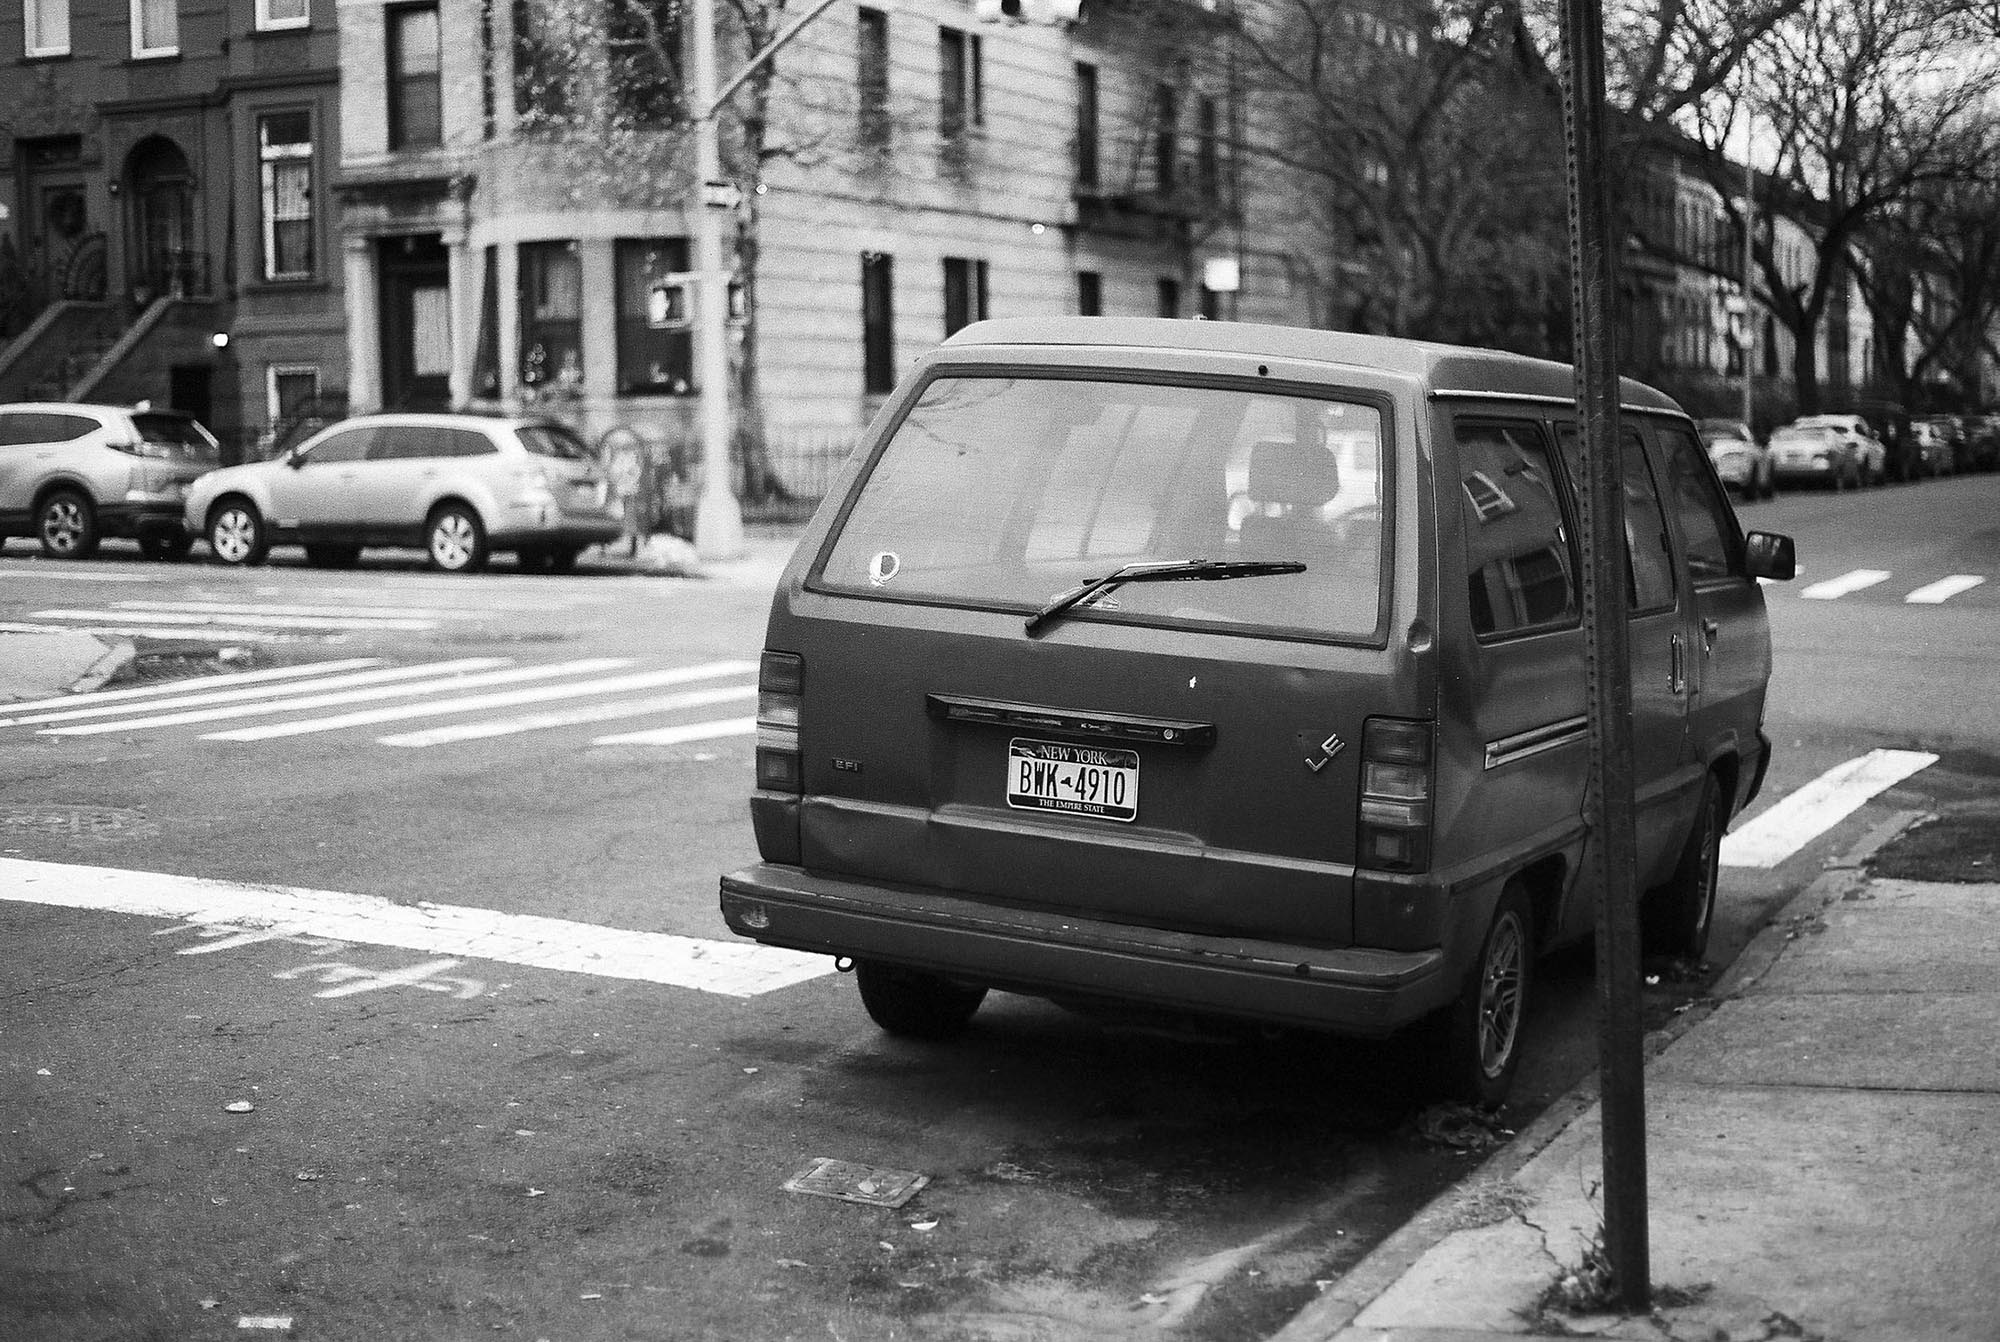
1077,780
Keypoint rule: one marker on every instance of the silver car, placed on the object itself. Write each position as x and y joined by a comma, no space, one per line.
457,486
72,474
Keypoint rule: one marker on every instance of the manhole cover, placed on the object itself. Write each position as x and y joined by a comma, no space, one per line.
106,823
856,1183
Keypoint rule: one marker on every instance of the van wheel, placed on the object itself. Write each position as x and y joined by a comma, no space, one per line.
1478,1038
913,1004
1675,917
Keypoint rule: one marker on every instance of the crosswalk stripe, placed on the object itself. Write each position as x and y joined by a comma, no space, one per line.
17,571
691,731
173,687
1943,590
728,968
1846,583
249,620
639,680
569,717
447,678
1802,816
196,695
339,609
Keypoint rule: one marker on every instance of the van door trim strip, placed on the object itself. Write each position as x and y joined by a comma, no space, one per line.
1537,398
1534,741
1100,726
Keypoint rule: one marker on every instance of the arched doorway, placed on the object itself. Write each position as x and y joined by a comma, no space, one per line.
165,257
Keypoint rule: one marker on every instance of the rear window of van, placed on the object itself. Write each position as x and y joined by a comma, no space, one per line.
1003,491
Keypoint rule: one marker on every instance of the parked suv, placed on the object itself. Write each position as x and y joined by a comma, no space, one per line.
458,486
71,474
1043,709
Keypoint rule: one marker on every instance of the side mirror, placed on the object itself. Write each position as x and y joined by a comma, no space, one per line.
1771,555
295,459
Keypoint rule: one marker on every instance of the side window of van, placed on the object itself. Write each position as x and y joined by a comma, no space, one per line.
1708,525
1650,575
1520,567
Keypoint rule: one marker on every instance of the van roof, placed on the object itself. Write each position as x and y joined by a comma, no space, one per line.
1443,369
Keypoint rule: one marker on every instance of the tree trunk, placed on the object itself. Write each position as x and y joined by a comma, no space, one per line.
1805,365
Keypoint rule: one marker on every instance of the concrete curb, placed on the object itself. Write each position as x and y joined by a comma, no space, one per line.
1383,1266
111,665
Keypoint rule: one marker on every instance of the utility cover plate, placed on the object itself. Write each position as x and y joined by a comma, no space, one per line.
850,1182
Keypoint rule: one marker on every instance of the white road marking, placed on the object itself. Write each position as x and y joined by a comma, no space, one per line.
1844,584
729,968
332,609
637,680
569,717
12,571
447,683
1943,590
195,693
243,617
1797,819
181,686
671,736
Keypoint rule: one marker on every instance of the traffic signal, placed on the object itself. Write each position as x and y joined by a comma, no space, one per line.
1046,12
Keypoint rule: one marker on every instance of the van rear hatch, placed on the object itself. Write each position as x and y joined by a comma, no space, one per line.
1181,748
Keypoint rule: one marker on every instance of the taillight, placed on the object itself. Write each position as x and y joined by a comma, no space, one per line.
781,681
1395,795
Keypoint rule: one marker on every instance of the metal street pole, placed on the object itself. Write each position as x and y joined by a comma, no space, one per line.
1609,808
1749,258
718,518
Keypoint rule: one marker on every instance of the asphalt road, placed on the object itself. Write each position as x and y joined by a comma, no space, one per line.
445,1144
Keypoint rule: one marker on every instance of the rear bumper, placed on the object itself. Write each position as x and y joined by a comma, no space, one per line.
571,533
1359,992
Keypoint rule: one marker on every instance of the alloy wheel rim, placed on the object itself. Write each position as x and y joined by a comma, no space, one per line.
1500,997
62,525
1711,853
451,541
231,537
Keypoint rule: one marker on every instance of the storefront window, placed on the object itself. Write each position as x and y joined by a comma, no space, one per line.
551,319
655,334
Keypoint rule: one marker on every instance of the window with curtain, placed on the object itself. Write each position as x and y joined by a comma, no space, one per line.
156,28
48,27
284,152
551,317
416,94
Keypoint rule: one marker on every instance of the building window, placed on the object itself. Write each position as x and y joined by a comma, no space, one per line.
1166,137
156,28
1086,125
551,317
1089,294
643,52
289,389
416,95
541,67
964,292
1170,298
878,323
871,77
961,96
284,153
486,348
655,327
1208,149
283,14
48,27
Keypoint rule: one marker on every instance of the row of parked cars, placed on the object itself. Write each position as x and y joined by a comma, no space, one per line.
460,487
1845,452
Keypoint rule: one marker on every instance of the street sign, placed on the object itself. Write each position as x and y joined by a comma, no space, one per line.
721,195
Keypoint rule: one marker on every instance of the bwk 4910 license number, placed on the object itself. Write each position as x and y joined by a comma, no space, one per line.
1080,780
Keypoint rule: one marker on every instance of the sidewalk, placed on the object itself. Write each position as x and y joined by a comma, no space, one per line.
1823,1150
766,549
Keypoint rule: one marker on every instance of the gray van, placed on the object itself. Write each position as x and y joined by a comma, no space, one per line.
1238,670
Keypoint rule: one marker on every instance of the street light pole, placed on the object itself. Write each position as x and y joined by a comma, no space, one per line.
1749,260
718,517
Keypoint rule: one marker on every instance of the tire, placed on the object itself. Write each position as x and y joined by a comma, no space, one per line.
155,545
531,559
1478,1038
563,560
456,540
1675,918
911,1004
236,533
66,524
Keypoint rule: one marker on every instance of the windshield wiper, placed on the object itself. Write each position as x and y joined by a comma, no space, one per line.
1159,570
